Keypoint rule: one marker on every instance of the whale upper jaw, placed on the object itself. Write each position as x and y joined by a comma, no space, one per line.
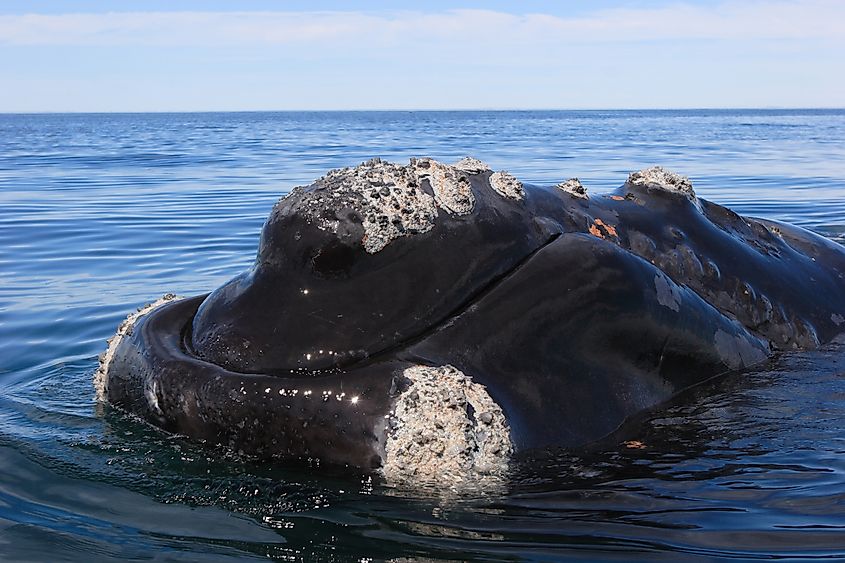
364,260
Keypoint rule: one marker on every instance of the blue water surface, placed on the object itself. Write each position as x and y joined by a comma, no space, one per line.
100,214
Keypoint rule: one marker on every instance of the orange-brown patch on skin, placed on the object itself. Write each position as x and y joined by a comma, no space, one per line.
634,445
611,230
595,231
617,198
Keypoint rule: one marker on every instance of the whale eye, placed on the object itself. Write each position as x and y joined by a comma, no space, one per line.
334,260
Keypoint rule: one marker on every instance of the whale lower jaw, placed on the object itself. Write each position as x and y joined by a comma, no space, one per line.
421,425
101,375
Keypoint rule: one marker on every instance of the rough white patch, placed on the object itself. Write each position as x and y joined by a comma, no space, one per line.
101,376
575,187
471,165
656,176
393,203
507,185
444,428
668,294
151,394
389,197
451,186
837,319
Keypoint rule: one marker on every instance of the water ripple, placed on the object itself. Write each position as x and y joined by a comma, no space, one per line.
100,214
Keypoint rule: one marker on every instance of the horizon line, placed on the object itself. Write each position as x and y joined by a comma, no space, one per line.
423,110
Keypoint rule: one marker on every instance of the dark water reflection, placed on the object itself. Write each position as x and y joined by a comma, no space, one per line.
100,214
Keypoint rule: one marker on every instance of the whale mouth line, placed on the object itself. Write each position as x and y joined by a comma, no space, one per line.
187,347
476,296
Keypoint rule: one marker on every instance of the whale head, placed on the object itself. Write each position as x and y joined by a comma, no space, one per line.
363,260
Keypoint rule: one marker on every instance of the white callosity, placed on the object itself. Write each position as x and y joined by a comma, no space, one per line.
507,185
657,176
574,187
471,165
393,204
451,186
444,427
391,200
101,376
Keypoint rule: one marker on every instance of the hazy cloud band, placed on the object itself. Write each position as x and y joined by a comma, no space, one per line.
798,19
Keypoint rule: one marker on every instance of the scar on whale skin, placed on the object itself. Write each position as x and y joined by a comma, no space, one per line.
668,294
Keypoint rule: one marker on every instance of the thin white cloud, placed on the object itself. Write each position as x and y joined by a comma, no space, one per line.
795,19
739,53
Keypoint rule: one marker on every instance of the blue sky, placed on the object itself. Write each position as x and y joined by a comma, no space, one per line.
161,55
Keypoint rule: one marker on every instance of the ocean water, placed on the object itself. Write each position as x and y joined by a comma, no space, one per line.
100,214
